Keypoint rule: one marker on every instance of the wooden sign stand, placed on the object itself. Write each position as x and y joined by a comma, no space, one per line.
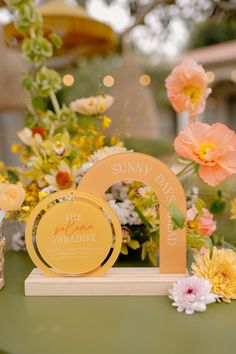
105,280
116,282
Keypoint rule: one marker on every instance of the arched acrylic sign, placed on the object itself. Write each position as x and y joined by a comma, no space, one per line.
149,170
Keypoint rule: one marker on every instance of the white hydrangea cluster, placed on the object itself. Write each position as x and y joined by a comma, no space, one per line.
125,212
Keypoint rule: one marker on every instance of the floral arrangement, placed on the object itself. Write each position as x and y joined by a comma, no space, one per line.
60,143
211,152
56,140
213,279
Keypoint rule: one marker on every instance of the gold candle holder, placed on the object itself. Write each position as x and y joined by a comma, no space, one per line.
2,251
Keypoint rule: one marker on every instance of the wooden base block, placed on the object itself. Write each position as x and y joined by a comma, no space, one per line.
117,281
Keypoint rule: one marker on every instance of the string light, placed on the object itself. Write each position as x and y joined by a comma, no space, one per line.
145,80
210,76
108,81
68,80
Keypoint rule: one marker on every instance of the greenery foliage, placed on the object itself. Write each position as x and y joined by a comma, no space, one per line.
211,32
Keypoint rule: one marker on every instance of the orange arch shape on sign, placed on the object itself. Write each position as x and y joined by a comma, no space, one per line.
152,172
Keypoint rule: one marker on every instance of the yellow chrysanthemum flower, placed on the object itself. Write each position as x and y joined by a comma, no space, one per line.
220,270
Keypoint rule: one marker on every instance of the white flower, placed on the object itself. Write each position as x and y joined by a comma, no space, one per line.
105,152
99,155
18,241
125,212
27,136
191,294
59,148
120,191
92,105
64,178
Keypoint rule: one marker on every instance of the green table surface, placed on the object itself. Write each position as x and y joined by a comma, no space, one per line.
107,325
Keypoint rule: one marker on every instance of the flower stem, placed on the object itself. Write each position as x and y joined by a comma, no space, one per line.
32,33
229,245
55,103
172,160
185,169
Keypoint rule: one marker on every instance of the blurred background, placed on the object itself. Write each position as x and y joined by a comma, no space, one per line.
127,48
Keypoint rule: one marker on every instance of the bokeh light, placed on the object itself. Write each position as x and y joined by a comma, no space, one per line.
68,80
145,80
210,76
108,81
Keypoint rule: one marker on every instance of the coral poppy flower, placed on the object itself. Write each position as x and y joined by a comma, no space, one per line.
187,88
213,147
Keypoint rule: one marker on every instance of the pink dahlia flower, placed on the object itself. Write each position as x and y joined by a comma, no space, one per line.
191,294
213,147
187,88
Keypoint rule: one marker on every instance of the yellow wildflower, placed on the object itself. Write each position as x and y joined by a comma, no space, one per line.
114,140
42,195
25,208
106,122
220,270
15,148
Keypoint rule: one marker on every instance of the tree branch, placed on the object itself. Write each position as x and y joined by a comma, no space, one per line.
225,5
144,11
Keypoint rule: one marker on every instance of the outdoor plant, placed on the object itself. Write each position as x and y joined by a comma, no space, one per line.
59,143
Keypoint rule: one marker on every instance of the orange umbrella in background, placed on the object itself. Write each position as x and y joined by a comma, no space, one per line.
81,34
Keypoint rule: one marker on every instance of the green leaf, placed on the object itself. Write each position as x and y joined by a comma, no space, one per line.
124,249
200,205
12,176
152,257
134,244
56,40
217,238
147,202
194,240
38,103
219,194
27,82
208,243
144,252
196,168
142,217
217,206
177,216
155,236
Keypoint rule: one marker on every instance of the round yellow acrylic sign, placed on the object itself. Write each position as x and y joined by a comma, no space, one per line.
72,233
11,196
74,237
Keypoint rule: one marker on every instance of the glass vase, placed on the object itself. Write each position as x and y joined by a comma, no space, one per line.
2,251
